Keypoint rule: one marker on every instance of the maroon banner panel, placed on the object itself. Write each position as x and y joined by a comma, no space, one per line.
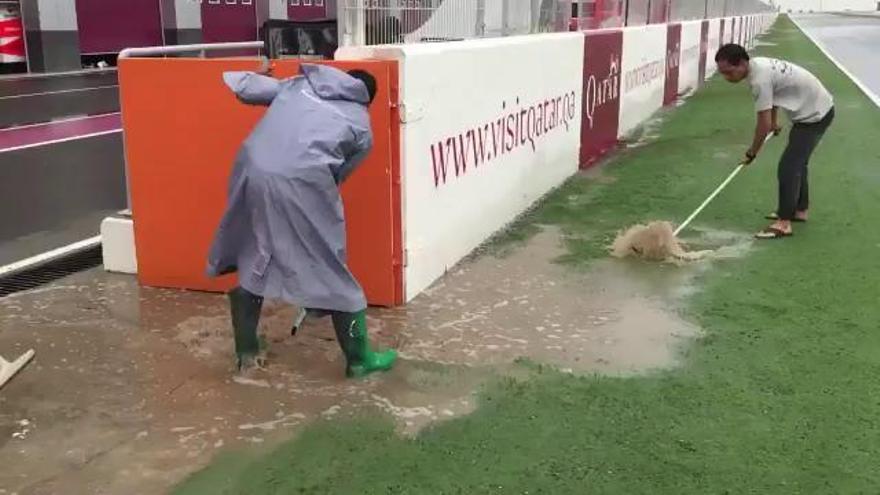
108,26
704,51
601,108
228,21
673,63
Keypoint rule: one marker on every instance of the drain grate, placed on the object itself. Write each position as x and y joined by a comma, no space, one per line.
50,271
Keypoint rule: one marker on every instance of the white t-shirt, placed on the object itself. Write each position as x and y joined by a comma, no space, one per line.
777,83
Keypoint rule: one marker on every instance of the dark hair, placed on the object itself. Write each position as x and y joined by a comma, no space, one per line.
368,80
732,54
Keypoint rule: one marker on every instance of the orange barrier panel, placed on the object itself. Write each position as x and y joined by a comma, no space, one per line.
183,128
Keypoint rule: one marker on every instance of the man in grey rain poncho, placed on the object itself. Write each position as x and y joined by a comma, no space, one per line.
283,230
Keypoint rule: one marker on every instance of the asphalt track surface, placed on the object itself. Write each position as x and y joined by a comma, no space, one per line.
61,160
852,39
31,99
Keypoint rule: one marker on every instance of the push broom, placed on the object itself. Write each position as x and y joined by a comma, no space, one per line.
8,369
658,240
716,192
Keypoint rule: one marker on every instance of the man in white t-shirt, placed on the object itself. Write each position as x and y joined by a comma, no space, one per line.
810,107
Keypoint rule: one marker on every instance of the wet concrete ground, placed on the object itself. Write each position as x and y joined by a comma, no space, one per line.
132,388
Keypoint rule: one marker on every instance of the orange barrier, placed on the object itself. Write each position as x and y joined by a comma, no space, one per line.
183,128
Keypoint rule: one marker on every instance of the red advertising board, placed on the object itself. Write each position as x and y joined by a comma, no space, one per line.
11,36
673,62
601,103
704,51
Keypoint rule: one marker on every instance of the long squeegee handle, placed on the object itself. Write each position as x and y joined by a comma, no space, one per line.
724,184
696,212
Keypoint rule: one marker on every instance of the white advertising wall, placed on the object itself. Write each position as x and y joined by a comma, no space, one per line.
644,74
490,126
689,70
714,43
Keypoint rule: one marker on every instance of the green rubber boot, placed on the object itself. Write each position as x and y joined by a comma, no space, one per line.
351,332
246,308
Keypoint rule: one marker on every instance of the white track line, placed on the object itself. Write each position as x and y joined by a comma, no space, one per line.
57,141
58,121
50,255
870,94
52,75
59,92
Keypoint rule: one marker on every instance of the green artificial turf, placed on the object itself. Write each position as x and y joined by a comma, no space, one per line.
782,395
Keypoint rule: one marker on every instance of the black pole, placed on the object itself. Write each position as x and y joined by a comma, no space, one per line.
626,13
648,20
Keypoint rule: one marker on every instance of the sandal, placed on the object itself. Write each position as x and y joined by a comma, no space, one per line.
772,233
774,216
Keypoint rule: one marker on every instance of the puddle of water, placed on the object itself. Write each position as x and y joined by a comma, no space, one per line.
493,311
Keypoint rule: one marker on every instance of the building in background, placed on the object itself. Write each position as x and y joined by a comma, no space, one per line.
63,35
13,57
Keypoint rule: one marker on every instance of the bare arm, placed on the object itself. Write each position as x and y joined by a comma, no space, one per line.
763,127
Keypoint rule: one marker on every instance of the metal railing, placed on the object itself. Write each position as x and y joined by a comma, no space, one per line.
200,49
374,22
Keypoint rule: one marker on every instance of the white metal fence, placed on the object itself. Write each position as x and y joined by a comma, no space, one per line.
413,21
372,22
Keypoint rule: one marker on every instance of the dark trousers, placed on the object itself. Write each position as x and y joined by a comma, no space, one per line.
794,189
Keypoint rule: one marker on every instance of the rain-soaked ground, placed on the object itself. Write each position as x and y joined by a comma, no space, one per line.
132,388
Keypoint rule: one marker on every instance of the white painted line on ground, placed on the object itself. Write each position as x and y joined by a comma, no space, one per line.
50,75
62,120
59,92
57,141
50,255
821,46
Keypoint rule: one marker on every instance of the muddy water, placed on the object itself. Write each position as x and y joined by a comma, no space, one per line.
525,306
132,389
